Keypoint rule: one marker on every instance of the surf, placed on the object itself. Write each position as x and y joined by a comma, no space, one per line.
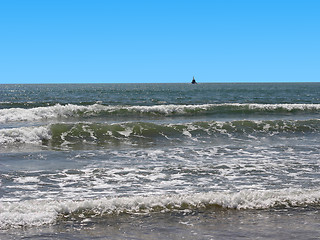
59,111
140,133
30,213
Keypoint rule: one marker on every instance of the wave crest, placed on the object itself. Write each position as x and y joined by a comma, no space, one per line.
33,135
98,110
146,132
37,212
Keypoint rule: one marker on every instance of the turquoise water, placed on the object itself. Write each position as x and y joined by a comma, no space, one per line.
150,161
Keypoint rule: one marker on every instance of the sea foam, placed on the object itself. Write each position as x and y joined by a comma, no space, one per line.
33,135
40,212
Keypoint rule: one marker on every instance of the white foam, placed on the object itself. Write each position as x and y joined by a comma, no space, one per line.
24,135
27,180
33,114
126,132
171,108
88,130
26,213
287,106
36,213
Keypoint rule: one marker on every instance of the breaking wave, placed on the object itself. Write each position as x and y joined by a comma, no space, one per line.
31,135
41,212
77,111
144,132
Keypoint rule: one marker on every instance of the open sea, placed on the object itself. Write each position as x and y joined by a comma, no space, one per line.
160,161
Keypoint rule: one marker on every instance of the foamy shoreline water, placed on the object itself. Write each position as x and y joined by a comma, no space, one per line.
37,213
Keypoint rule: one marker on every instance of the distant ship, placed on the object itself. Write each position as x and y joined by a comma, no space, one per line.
193,81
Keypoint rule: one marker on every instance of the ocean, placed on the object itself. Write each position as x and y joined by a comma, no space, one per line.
160,161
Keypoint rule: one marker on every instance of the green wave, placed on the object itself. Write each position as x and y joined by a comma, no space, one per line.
141,133
146,133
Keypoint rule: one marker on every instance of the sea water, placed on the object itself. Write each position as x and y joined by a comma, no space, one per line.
160,161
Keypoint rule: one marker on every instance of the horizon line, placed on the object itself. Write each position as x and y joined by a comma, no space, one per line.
65,83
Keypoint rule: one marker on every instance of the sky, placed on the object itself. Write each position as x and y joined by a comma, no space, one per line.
123,41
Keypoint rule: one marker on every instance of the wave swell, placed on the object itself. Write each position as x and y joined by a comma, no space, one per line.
98,110
146,132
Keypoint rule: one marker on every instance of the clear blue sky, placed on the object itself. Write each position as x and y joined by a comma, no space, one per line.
83,41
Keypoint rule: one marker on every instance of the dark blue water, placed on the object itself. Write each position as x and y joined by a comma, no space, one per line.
155,94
